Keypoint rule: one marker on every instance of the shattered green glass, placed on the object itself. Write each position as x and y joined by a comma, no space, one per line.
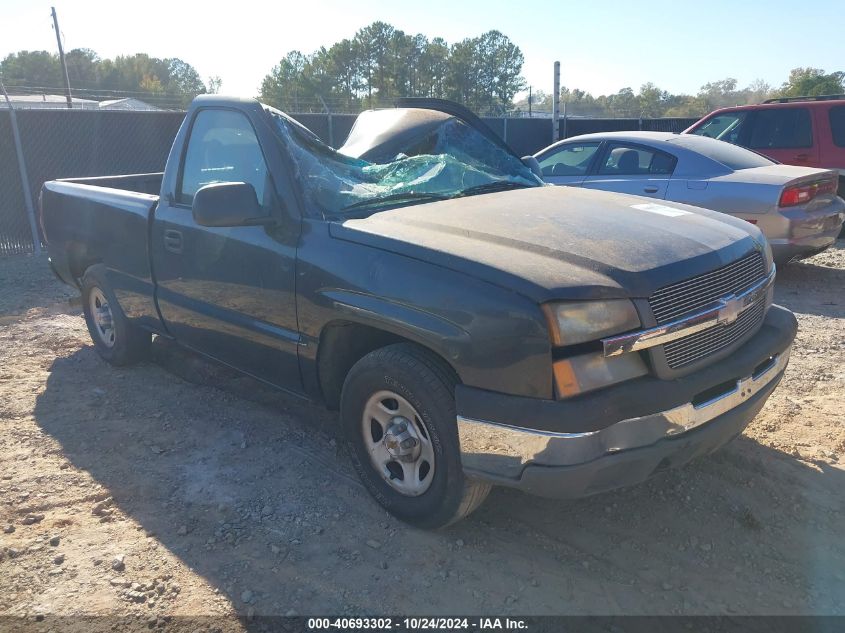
457,158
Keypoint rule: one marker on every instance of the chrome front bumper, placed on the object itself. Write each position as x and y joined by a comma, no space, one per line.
500,452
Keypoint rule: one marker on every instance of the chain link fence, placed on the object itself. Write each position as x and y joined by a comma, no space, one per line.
69,143
62,143
15,233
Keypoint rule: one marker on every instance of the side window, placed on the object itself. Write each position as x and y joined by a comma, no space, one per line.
781,128
633,160
724,127
569,160
222,147
837,125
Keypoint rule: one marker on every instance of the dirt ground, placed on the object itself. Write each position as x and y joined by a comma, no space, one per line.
176,488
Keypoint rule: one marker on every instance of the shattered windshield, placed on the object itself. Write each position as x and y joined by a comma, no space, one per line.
458,161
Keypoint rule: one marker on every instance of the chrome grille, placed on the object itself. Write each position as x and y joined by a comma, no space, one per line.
696,346
671,302
685,297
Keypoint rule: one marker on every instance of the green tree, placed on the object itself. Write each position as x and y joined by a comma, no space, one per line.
652,100
462,73
168,82
182,79
623,104
500,64
719,94
32,69
373,43
381,63
434,69
347,70
213,83
83,68
812,82
282,88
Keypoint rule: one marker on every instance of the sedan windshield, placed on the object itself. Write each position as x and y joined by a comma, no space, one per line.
458,161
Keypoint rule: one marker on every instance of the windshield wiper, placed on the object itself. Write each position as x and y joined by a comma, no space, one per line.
395,197
491,187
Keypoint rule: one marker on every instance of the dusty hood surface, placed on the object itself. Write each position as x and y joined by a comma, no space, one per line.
560,242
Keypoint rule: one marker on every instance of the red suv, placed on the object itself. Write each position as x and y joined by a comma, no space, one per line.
805,131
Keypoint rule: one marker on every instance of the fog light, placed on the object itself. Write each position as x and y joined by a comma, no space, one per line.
588,372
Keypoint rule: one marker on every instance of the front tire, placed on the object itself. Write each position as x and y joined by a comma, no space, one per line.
115,338
398,416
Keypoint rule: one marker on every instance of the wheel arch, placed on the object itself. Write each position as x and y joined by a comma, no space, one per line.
80,259
344,342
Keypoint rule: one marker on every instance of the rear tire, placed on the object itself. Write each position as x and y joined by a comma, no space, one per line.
841,193
397,411
115,338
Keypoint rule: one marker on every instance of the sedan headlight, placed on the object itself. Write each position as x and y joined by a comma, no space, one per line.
574,322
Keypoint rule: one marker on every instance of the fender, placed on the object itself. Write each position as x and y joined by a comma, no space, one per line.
429,330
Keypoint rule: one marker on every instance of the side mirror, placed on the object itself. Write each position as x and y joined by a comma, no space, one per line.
533,165
228,204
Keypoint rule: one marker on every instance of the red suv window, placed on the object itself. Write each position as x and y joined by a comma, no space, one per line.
724,127
837,125
781,128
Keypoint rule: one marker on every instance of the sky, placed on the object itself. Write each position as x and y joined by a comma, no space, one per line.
602,46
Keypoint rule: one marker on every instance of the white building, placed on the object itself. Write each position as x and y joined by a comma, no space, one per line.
43,102
47,102
127,104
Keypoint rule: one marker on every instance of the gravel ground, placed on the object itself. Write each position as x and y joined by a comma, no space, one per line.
177,488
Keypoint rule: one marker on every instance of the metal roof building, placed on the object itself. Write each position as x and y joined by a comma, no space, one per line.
47,102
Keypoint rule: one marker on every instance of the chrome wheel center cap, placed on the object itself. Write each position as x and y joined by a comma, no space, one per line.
401,440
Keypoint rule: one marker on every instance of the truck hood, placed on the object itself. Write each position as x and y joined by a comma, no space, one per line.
560,242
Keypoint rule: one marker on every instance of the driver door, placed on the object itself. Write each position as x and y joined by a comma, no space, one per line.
228,292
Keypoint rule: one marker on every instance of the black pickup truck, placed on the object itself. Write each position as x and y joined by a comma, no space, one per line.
473,326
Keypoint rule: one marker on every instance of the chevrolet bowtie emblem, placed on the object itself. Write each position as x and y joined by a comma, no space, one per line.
729,309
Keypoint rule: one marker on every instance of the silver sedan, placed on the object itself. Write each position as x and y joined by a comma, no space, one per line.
796,207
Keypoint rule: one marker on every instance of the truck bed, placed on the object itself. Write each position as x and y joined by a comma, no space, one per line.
88,221
139,183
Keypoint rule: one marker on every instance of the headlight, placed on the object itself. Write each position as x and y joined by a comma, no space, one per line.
578,322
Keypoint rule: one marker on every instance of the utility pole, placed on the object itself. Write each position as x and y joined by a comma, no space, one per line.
556,105
563,132
529,102
62,57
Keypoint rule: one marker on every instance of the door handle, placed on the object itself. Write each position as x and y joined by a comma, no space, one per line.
802,156
173,241
650,189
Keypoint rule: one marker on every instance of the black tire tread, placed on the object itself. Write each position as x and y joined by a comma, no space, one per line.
439,381
475,491
133,344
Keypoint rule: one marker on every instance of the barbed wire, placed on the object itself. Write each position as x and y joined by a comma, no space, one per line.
335,104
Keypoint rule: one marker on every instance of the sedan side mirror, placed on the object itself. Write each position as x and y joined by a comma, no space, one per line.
228,204
533,165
